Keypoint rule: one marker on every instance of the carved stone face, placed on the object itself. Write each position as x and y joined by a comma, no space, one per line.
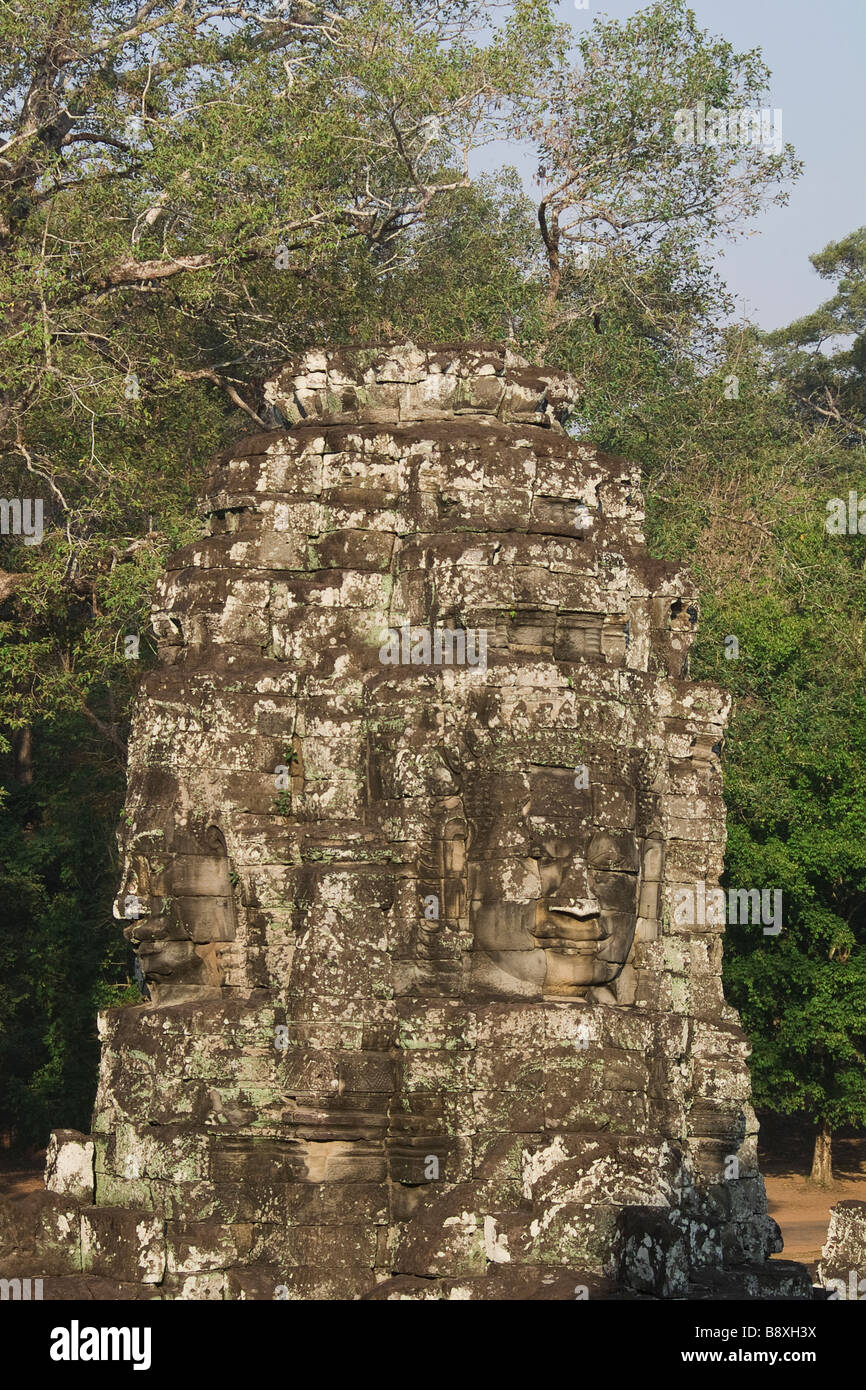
522,890
585,919
553,897
182,911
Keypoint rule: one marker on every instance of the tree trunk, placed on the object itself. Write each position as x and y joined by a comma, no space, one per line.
822,1159
22,750
550,234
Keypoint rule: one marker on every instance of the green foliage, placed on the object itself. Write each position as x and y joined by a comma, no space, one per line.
830,384
750,518
62,641
629,210
62,956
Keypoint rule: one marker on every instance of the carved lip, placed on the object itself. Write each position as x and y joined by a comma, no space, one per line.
151,950
569,930
561,947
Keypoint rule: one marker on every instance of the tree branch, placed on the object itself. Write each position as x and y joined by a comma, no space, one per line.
208,374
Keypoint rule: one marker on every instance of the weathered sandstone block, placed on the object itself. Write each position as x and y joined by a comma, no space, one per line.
842,1270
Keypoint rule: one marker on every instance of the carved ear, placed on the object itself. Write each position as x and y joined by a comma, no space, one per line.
474,739
215,840
453,760
652,857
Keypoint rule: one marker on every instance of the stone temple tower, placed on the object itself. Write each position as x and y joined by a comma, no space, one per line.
413,792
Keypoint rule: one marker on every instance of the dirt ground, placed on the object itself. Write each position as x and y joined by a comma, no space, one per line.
801,1209
17,1178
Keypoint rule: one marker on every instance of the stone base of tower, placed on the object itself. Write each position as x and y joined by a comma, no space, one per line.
222,1167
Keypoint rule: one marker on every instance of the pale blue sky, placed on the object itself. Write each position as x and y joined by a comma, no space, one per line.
816,51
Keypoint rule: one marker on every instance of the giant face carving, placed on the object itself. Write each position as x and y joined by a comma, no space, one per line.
524,859
182,914
462,864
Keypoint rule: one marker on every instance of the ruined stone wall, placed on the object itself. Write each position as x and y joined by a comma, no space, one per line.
842,1270
411,792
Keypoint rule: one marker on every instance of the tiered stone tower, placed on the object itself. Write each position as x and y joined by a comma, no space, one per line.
411,792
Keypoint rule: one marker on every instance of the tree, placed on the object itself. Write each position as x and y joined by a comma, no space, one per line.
474,270
189,192
830,384
181,187
750,515
61,954
633,194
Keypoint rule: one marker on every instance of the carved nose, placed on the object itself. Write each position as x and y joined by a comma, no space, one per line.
574,895
143,923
